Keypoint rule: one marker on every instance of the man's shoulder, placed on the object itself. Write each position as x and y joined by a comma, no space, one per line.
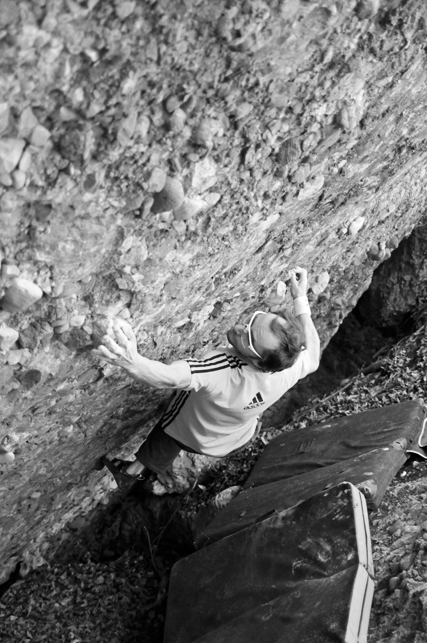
214,360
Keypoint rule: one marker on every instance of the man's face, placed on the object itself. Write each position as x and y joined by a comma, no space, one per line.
257,337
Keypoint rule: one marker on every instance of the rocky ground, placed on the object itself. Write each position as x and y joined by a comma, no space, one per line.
112,580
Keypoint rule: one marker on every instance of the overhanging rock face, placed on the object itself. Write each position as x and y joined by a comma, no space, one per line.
283,134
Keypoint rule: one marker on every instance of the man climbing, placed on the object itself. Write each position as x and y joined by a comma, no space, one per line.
218,398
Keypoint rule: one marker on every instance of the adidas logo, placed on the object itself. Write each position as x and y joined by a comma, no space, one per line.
257,401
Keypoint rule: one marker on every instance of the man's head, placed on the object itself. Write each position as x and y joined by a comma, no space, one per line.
272,342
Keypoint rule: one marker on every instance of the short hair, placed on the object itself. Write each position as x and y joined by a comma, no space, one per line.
291,338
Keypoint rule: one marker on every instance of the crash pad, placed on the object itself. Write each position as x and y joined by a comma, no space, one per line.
370,472
265,578
297,452
339,611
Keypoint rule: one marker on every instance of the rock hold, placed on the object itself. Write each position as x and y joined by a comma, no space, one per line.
189,208
7,457
356,225
4,117
39,136
170,197
10,153
8,337
19,179
172,103
20,295
177,120
157,180
289,152
9,12
321,283
27,123
203,134
367,8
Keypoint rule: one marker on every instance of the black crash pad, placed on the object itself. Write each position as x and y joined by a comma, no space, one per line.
339,611
371,472
292,454
303,574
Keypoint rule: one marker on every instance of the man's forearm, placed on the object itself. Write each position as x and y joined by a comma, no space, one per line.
312,341
159,375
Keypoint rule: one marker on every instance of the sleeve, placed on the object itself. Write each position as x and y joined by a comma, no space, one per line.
210,373
297,371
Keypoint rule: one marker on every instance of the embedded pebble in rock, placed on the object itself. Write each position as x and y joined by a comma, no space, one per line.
356,225
4,116
189,104
7,457
301,174
9,270
8,337
321,282
172,103
367,8
224,27
30,378
212,198
127,129
374,252
147,204
25,162
29,337
60,326
142,126
10,153
21,294
18,179
27,123
189,208
6,180
243,110
289,152
125,8
170,197
76,321
311,188
66,114
9,12
348,116
180,227
204,175
39,136
157,180
202,134
177,120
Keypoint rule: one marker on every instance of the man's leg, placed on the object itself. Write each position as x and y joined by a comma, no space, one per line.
155,454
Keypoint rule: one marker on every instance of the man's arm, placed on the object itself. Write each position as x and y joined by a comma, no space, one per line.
123,352
298,278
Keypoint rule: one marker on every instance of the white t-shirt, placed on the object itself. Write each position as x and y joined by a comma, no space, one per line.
218,412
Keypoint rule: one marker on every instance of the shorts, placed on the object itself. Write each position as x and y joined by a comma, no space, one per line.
160,449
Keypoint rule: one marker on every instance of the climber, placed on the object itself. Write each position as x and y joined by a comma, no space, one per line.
218,398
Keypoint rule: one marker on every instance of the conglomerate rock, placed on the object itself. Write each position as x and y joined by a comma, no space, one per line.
298,130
